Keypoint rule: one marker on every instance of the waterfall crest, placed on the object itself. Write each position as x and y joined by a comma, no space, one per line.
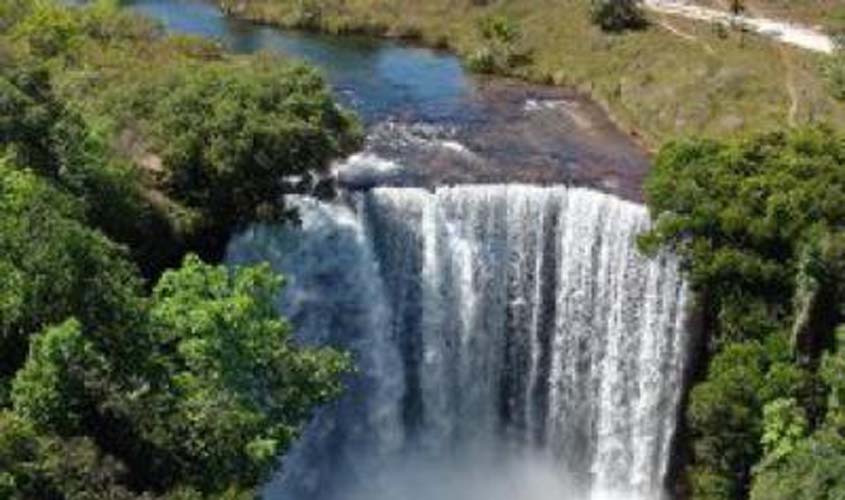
512,344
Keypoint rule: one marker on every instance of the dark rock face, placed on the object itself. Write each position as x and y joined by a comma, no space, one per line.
515,133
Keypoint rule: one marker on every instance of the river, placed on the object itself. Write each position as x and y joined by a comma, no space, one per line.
429,122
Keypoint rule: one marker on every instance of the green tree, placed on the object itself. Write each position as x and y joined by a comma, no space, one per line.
757,223
230,390
57,268
105,391
230,134
37,465
502,46
49,29
724,413
809,468
217,395
740,213
53,389
40,132
785,425
812,471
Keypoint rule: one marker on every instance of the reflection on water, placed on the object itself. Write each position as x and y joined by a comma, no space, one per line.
377,78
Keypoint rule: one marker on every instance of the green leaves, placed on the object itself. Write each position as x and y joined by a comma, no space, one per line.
785,425
57,267
759,225
229,133
237,389
111,133
51,389
812,470
212,381
799,464
49,30
739,213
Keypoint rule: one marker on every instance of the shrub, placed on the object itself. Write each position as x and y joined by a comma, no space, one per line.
502,47
617,15
833,70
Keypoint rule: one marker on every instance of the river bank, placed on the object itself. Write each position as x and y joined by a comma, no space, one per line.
676,78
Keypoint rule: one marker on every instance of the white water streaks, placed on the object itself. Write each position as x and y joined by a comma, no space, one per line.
798,35
366,168
511,340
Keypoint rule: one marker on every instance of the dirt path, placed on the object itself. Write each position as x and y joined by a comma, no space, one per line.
686,36
783,31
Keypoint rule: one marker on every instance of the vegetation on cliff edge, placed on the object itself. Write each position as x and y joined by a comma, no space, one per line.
128,367
760,225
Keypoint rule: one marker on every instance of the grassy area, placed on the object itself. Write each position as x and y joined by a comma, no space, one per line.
826,14
675,78
817,12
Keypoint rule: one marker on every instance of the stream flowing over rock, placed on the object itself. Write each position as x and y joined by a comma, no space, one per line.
511,343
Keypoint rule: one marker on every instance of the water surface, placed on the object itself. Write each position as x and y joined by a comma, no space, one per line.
429,122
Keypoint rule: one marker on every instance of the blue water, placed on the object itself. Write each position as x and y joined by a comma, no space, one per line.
431,119
377,78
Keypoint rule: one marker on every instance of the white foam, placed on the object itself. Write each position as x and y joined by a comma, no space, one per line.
543,105
366,164
456,147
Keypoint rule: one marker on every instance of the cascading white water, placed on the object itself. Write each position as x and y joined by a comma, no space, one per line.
512,344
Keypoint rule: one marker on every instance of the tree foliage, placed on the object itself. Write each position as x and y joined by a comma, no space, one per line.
110,386
758,223
35,465
232,390
51,390
230,135
617,15
57,266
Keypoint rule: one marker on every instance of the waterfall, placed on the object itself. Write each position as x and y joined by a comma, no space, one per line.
511,344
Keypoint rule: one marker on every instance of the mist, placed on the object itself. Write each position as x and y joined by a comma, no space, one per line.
477,475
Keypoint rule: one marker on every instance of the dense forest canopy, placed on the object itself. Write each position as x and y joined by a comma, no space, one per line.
129,368
760,223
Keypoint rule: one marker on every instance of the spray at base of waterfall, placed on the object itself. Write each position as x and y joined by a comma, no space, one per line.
478,475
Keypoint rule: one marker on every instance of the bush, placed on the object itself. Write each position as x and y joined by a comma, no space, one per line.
501,49
833,70
307,15
617,15
229,134
483,61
